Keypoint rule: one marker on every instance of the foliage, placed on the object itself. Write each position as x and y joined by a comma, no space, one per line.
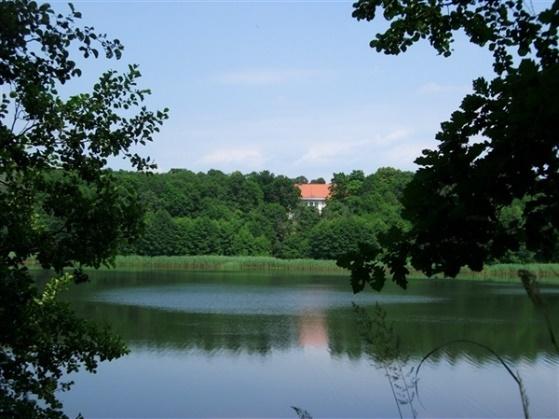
57,202
499,148
277,189
332,238
201,214
160,236
318,181
46,342
344,186
258,214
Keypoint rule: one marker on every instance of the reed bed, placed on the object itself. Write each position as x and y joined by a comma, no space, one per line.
545,272
227,263
506,272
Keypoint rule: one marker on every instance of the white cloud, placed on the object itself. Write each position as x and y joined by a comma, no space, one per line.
260,77
395,135
247,157
432,88
403,155
313,144
323,152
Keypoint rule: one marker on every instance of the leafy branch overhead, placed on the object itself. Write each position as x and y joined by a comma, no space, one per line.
507,28
58,203
500,148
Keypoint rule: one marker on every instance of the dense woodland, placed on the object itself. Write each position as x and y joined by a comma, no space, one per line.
260,213
214,213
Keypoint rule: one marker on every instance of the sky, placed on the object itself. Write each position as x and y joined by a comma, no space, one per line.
287,86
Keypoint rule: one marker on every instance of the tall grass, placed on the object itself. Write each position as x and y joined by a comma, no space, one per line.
506,272
384,349
227,263
544,272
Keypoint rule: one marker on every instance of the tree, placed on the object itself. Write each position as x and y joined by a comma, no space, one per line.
58,204
344,186
160,235
300,180
318,181
331,238
244,193
277,189
500,146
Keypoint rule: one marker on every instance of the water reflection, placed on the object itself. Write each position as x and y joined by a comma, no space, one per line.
264,338
513,330
245,300
312,331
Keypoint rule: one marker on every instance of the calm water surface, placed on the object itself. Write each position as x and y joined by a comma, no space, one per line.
252,345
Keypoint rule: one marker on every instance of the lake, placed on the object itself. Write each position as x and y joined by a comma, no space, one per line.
253,345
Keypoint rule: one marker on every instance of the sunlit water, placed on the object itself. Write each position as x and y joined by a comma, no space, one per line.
253,345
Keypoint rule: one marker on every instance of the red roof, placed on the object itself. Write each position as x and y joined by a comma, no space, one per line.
314,191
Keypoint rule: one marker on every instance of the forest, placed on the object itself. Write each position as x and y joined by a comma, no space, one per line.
260,213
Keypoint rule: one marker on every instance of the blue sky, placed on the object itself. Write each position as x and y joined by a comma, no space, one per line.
292,87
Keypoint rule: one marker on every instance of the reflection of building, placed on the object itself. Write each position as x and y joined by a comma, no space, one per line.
314,194
312,331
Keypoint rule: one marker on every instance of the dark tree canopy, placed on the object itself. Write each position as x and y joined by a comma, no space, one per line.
508,28
344,185
57,203
499,148
278,189
318,181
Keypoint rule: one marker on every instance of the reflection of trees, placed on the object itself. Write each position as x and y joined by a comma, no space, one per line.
505,322
508,324
208,332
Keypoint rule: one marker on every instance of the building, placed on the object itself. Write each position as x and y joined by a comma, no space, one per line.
315,194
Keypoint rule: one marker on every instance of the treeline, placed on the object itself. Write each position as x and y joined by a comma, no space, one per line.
261,213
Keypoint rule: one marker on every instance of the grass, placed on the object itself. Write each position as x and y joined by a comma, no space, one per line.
545,272
227,263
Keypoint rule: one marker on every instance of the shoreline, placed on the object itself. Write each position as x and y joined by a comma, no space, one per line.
547,273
